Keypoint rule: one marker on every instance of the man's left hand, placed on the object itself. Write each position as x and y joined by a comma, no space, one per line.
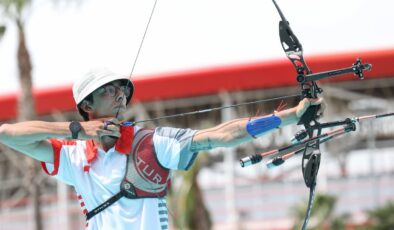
306,102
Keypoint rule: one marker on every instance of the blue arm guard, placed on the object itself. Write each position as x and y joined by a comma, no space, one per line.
261,125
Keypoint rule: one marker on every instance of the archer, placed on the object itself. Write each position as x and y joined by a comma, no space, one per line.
108,160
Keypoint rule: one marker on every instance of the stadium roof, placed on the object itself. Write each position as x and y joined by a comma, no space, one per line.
249,76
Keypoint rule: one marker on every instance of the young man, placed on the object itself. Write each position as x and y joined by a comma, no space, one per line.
93,156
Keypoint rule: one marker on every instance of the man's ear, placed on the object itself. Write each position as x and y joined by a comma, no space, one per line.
87,106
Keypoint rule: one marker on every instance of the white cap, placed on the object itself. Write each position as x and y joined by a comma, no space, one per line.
93,80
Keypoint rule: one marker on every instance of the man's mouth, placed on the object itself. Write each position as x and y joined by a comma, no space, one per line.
119,106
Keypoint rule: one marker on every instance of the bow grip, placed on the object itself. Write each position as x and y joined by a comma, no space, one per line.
309,115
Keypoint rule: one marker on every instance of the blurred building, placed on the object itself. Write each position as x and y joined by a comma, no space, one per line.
357,168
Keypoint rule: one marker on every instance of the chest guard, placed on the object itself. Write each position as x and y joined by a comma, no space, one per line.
145,176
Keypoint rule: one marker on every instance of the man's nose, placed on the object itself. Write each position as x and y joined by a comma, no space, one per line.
119,95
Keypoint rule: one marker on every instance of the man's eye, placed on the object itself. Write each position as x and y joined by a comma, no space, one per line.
111,90
101,91
126,90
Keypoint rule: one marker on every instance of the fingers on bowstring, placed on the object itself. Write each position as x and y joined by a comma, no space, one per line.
112,124
114,121
111,133
113,128
110,120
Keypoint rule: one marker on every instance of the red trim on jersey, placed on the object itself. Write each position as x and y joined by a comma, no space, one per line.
83,208
124,143
86,168
57,147
91,151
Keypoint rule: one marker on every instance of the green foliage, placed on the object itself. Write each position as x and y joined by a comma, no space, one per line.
381,218
14,8
322,216
191,212
2,30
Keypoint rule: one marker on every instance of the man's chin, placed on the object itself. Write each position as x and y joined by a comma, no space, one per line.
119,113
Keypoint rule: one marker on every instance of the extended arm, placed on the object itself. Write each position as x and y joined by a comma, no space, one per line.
31,137
234,132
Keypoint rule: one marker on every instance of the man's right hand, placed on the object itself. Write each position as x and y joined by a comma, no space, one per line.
100,128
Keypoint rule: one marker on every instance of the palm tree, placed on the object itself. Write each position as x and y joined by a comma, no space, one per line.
16,10
190,211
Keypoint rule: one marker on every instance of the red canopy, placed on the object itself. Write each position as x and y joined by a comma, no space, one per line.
259,75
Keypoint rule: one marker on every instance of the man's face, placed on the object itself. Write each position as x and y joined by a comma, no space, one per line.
109,99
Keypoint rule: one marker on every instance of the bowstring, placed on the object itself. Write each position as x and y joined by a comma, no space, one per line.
128,83
188,113
138,53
